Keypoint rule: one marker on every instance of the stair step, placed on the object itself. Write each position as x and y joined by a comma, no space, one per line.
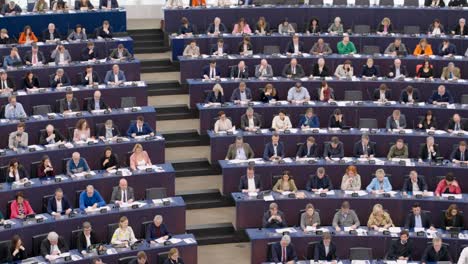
149,43
145,31
166,88
194,167
181,138
174,112
145,50
155,62
204,199
212,234
216,240
207,194
153,69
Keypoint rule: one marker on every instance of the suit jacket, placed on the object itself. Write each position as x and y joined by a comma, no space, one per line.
429,2
446,73
319,252
287,71
11,84
146,129
457,29
52,205
408,185
206,71
151,232
110,77
244,183
237,96
64,80
330,152
21,172
376,94
269,151
56,57
302,151
451,49
114,4
404,96
276,253
391,124
14,142
46,35
214,49
102,131
81,240
325,49
169,261
74,105
456,154
45,246
211,28
430,255
257,120
40,57
268,71
392,69
236,74
358,150
231,154
424,154
100,32
290,47
212,98
91,105
117,194
451,125
457,221
85,56
316,71
43,137
125,53
399,250
31,84
274,224
425,220
95,77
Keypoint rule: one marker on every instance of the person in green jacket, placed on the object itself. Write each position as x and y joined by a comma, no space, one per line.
346,47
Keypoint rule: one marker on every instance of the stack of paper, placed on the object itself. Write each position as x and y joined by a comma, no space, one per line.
287,229
457,196
175,240
189,240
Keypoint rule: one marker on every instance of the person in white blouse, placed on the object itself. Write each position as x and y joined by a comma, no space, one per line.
463,259
281,121
223,123
192,49
123,235
344,70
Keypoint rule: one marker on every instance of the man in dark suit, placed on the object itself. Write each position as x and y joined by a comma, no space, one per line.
294,46
239,150
274,218
460,154
69,103
309,149
437,252
90,77
108,4
122,194
96,103
51,34
50,136
89,52
319,181
429,151
34,56
283,251
456,124
157,230
240,71
139,128
58,205
251,121
115,76
220,48
364,148
86,237
418,218
274,150
250,182
120,53
397,70
53,246
333,149
216,27
109,130
412,181
59,79
409,95
396,121
241,94
325,249
293,70
211,71
401,249
382,94
6,83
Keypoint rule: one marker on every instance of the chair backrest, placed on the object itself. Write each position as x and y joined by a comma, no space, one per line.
71,131
340,2
162,256
411,29
2,111
3,173
8,209
156,193
362,2
144,227
464,99
360,253
42,109
4,247
370,49
111,229
99,127
362,29
386,3
129,101
353,95
45,201
33,168
86,101
270,250
316,2
77,198
368,123
126,260
275,178
411,3
271,49
74,238
310,251
300,214
64,164
36,241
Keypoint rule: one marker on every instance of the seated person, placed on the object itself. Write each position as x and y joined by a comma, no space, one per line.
91,198
346,46
447,49
313,27
320,48
309,120
281,121
7,85
461,29
344,70
211,72
418,218
105,31
336,27
262,26
59,79
11,8
4,38
325,93
96,103
89,53
425,70
274,150
345,217
351,180
77,164
77,34
220,48
436,28
45,169
336,119
216,27
398,150
382,94
269,94
319,181
294,46
239,150
69,103
441,96
285,183
173,257
429,151
448,185
60,55
108,131
12,60
456,124
283,251
15,172
414,183
396,48
59,204
450,72
124,234
251,121
396,121
379,218
263,70
115,76
333,149
385,27
434,3
409,95
250,182
82,131
460,3
122,194
379,184
185,28
320,69
298,94
286,28
120,53
423,48
192,50
428,121
53,246
325,249
364,148
83,5
369,70
157,230
274,218
19,138
216,95
34,57
140,257
223,123
139,157
86,238
139,128
453,218
17,250
309,149
14,109
20,207
460,154
240,71
109,161
60,5
241,94
397,70
401,249
437,252
241,27
310,217
90,77
293,70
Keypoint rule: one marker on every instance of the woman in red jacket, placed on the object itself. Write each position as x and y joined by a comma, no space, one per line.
20,207
448,185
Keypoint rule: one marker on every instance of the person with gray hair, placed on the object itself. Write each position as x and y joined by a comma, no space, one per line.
436,252
364,148
283,251
263,70
450,72
461,29
11,9
274,218
239,150
59,79
60,55
53,246
86,237
251,121
429,151
157,230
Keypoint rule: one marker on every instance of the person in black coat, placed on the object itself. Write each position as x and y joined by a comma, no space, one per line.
87,231
219,48
277,251
51,33
52,208
453,218
211,71
317,72
108,4
16,249
216,27
428,121
46,135
185,27
436,252
15,165
173,257
320,253
140,258
244,180
30,81
336,119
274,218
438,3
382,94
90,52
319,181
457,3
401,249
456,124
109,160
240,71
28,57
293,45
104,31
460,154
429,151
392,73
414,178
409,95
97,101
416,211
109,130
89,77
53,239
364,148
157,230
309,149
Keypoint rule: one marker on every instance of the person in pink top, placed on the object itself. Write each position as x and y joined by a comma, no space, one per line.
241,27
139,157
20,207
82,131
448,185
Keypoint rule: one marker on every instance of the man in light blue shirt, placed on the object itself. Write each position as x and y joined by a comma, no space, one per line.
298,93
12,60
379,184
14,110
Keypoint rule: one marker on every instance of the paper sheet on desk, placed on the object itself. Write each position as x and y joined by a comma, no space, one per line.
437,132
360,193
312,228
457,196
161,201
288,229
342,103
268,198
392,193
160,240
175,240
252,194
189,240
82,174
427,194
90,209
126,205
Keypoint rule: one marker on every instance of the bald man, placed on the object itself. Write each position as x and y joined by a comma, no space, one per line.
50,136
96,103
123,193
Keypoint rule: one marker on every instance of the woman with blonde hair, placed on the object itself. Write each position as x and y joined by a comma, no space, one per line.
216,95
173,257
139,157
123,235
379,218
385,27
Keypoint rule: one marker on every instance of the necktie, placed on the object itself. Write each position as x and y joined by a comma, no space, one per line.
139,129
462,156
4,84
308,151
239,74
364,148
294,70
34,60
69,105
124,196
457,126
284,258
450,75
91,79
275,150
212,73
